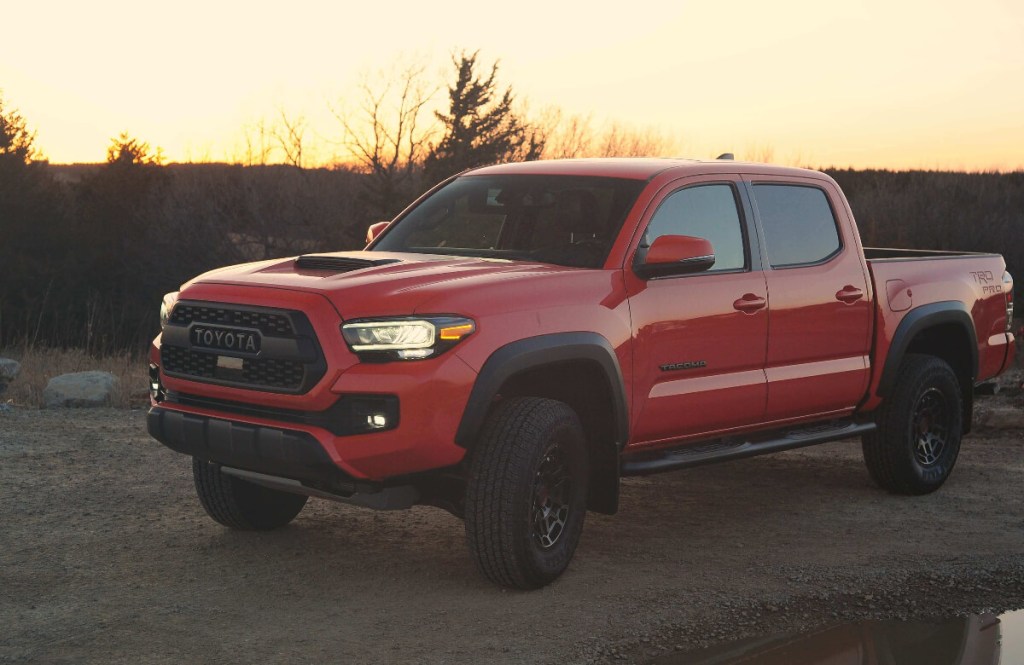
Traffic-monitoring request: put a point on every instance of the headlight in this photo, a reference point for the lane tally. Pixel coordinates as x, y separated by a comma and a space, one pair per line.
166, 306
405, 339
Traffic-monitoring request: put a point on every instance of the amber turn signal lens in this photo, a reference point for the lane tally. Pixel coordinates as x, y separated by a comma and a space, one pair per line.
455, 333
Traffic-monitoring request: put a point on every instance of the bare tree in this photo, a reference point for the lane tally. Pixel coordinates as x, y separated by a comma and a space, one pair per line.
621, 141
388, 135
258, 139
759, 152
573, 136
290, 133
567, 137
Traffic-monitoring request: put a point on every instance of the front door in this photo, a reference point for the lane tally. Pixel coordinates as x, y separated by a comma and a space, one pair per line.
699, 339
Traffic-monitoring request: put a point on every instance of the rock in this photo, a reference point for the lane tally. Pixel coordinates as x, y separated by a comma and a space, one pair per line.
81, 389
8, 372
1003, 416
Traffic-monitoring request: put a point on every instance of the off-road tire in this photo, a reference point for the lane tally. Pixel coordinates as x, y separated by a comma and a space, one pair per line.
238, 504
893, 452
523, 441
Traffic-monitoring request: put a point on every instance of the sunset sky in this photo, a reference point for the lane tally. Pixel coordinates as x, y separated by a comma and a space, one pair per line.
880, 83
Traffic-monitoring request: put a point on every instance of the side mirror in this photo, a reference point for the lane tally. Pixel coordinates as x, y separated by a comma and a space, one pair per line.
375, 230
676, 255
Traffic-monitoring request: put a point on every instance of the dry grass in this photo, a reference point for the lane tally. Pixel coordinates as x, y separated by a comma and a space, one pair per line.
39, 365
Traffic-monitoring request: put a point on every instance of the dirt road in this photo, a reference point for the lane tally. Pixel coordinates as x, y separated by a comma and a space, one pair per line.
106, 556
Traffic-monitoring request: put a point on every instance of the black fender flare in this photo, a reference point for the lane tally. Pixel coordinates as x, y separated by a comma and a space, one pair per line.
922, 318
533, 352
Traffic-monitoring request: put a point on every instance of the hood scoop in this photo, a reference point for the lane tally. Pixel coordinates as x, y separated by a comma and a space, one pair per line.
337, 263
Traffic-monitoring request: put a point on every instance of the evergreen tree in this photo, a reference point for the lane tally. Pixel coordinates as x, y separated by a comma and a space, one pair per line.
481, 126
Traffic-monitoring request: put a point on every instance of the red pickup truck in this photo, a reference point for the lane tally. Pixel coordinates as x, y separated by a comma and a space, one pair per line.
524, 335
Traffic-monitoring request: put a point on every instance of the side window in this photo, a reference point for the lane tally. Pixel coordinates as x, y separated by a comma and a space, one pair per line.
704, 211
799, 226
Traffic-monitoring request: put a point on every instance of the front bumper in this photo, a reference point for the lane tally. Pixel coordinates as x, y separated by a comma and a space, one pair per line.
259, 448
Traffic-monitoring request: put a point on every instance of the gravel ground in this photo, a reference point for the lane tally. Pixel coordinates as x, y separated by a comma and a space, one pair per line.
106, 556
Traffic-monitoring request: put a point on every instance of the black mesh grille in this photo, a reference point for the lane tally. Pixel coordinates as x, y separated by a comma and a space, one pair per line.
192, 363
262, 372
289, 359
267, 323
273, 373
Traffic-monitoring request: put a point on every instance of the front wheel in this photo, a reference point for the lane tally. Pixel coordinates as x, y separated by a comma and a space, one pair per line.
917, 442
239, 504
526, 495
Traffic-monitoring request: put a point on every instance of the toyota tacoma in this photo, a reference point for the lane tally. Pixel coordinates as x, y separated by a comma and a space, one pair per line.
524, 335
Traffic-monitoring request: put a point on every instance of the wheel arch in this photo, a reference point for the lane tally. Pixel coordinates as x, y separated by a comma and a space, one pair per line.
944, 330
578, 368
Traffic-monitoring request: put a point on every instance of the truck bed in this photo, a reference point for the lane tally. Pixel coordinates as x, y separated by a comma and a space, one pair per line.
905, 279
894, 254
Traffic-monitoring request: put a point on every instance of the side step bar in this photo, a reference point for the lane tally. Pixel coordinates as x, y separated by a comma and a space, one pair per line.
722, 450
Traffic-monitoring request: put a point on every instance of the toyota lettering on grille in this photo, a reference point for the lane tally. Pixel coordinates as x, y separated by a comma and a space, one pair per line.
225, 339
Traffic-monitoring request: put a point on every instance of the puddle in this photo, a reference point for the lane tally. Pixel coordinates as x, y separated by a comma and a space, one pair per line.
983, 639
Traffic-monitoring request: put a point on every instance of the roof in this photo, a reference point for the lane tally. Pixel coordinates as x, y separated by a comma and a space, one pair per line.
637, 168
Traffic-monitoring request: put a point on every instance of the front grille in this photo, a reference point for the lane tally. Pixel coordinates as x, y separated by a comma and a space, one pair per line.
267, 323
273, 373
185, 361
289, 361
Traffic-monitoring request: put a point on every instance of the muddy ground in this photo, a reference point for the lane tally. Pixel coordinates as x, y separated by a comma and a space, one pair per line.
106, 556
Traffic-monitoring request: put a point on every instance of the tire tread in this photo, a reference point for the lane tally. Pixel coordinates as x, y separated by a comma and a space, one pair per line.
240, 505
497, 485
888, 461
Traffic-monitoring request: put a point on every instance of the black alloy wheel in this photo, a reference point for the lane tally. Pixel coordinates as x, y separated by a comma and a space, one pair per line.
930, 427
552, 494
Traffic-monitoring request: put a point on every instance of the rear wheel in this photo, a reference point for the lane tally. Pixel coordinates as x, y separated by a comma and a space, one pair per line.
917, 442
239, 504
526, 495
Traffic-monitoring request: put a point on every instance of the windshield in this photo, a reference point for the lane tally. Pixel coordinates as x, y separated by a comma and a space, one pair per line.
564, 220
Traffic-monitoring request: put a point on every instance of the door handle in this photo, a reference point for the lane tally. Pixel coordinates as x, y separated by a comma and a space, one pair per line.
749, 303
849, 294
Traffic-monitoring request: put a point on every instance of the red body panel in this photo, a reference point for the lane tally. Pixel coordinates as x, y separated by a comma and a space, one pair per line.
818, 344
806, 354
920, 281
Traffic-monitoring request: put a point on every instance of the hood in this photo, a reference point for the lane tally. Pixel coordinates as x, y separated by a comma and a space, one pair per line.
364, 284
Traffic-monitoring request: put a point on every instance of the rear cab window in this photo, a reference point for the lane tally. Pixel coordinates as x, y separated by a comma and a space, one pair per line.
798, 222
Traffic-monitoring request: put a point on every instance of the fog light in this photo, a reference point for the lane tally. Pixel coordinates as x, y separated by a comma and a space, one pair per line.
376, 421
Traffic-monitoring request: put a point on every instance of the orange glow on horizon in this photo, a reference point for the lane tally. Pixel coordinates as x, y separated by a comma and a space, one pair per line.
868, 83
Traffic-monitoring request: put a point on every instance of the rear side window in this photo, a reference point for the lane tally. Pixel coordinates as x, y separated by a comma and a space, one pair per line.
704, 211
799, 226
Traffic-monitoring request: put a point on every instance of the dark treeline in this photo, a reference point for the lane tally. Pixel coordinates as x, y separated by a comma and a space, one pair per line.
87, 251
90, 251
971, 212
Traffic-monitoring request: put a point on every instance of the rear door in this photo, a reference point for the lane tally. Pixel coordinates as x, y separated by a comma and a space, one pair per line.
819, 298
699, 339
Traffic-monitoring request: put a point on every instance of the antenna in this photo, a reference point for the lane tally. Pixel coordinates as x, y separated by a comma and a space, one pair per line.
726, 155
